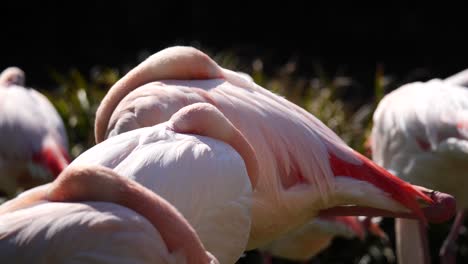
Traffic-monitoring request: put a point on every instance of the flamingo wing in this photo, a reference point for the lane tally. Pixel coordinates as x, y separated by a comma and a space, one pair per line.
54, 122
204, 178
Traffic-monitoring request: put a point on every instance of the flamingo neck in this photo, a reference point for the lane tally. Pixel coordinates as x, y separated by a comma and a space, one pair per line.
85, 184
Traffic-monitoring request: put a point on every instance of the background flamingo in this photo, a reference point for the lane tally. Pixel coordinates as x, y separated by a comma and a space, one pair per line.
33, 143
419, 134
121, 223
303, 166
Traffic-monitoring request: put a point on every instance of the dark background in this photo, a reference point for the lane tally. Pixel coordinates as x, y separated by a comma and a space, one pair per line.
425, 40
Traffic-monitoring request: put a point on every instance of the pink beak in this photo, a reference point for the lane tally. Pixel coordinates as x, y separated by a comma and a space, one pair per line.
436, 207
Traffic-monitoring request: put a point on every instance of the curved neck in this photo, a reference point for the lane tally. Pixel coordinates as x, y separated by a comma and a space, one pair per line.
206, 120
182, 63
85, 184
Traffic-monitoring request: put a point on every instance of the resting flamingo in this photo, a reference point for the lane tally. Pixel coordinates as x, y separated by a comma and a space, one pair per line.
419, 133
75, 220
304, 169
167, 160
33, 143
199, 163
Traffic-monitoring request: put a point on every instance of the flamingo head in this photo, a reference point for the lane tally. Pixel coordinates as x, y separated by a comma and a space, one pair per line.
370, 190
12, 76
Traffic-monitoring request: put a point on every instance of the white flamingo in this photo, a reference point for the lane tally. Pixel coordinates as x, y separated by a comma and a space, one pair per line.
33, 143
420, 134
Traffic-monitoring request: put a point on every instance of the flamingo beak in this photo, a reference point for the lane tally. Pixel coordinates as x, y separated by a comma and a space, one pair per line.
388, 195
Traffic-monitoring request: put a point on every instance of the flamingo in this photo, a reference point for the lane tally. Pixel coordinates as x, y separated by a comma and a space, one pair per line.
197, 161
304, 169
33, 144
73, 219
419, 134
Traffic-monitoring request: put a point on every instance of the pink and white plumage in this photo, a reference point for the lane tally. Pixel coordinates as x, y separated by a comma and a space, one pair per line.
421, 124
303, 243
304, 167
202, 174
33, 144
242, 145
420, 134
74, 219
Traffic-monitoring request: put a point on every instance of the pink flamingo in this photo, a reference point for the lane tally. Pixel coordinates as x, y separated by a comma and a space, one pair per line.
420, 134
33, 144
304, 243
211, 172
304, 169
74, 219
197, 161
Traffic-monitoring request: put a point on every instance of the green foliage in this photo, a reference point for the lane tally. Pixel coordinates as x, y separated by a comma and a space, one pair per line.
76, 99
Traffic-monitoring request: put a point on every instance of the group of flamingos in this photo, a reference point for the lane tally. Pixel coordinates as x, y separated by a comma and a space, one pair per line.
195, 163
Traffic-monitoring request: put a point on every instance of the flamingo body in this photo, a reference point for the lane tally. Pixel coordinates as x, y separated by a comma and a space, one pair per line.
420, 134
304, 167
282, 194
71, 220
191, 172
80, 232
33, 146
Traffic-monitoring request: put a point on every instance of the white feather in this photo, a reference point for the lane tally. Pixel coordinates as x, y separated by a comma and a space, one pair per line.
191, 172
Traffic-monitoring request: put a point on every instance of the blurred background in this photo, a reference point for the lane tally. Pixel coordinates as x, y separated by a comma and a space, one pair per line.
334, 60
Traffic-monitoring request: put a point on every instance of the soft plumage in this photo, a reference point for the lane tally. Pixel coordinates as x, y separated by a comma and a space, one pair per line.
303, 166
420, 134
202, 174
74, 219
33, 144
91, 232
423, 124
